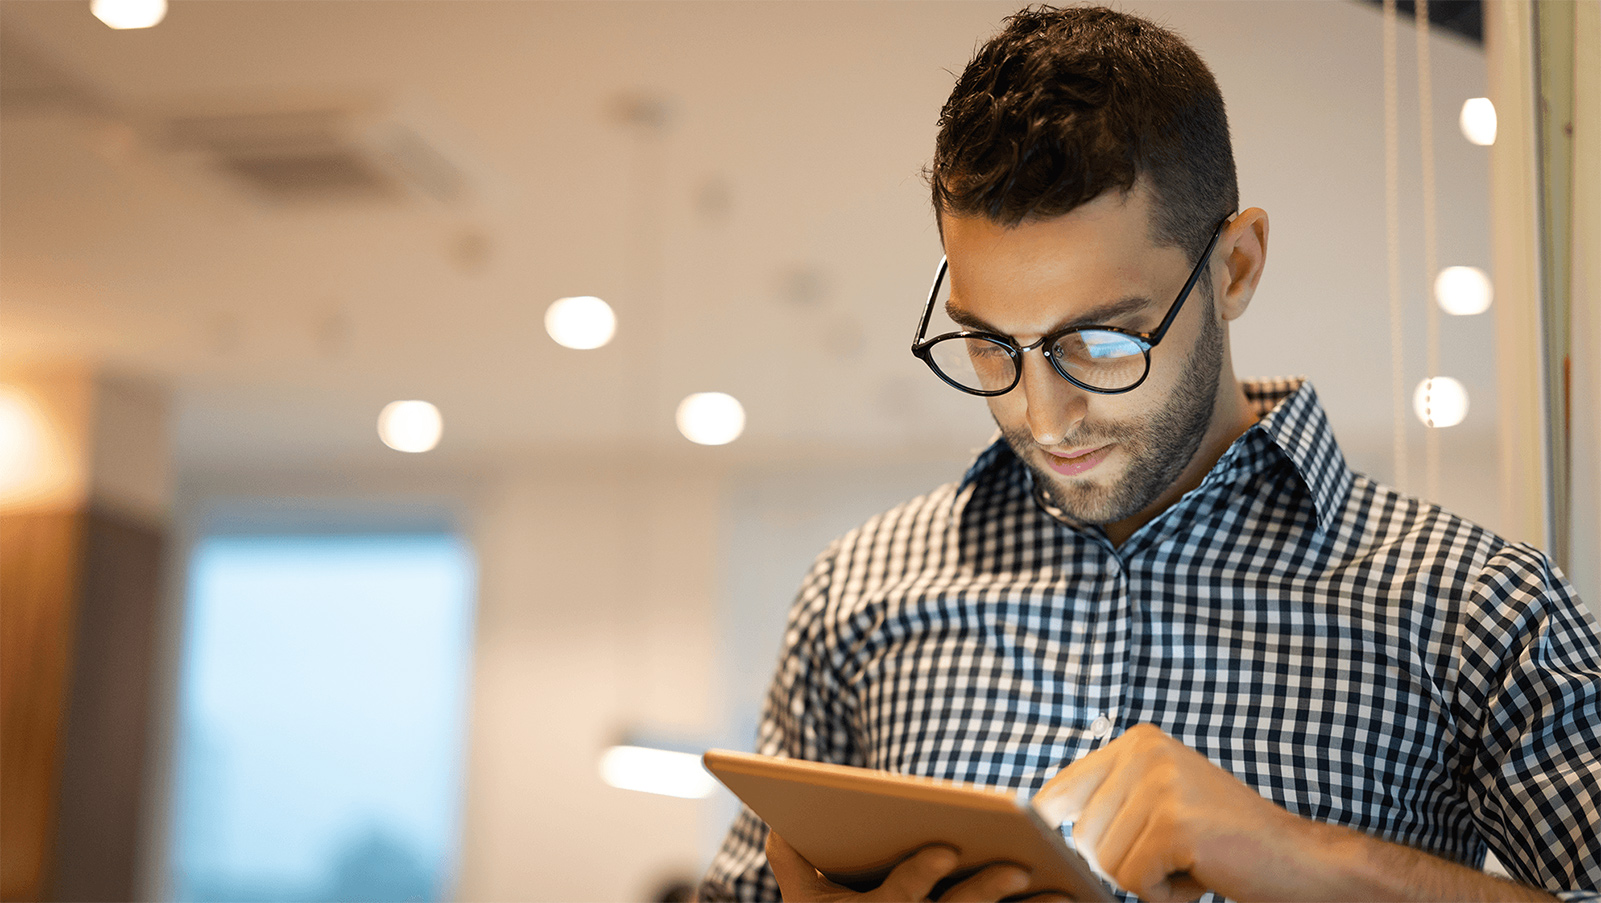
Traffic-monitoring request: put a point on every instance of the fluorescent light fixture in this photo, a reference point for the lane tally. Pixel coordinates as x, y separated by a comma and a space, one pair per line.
410, 426
1478, 121
121, 14
582, 322
711, 418
658, 771
1440, 402
1463, 291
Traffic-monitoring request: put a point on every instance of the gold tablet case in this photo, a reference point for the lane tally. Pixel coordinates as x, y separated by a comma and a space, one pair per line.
855, 824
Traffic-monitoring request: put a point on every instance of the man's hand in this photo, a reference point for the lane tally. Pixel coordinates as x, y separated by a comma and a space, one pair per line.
1168, 825
913, 879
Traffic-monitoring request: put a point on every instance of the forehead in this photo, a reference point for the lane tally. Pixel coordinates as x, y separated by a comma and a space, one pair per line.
1027, 278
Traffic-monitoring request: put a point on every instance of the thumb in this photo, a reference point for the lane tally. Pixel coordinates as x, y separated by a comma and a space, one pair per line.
797, 878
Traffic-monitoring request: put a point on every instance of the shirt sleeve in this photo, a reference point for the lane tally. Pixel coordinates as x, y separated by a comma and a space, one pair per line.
1531, 684
801, 719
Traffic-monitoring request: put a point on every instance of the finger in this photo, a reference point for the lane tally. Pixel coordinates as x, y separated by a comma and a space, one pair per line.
1048, 897
797, 878
1116, 817
1104, 806
1153, 871
915, 877
989, 884
1063, 797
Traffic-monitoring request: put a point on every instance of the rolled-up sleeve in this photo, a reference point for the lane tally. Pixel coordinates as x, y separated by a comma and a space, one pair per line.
1530, 692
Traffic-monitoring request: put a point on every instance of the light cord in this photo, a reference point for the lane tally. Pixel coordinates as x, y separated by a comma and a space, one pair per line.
1392, 221
1431, 434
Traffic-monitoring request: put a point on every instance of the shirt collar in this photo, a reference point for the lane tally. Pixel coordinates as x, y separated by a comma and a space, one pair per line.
1294, 420
1292, 423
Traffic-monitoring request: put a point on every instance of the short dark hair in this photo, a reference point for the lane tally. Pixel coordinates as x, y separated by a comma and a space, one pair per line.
1065, 104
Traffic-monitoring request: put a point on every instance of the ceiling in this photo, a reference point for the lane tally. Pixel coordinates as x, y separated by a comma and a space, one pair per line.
741, 181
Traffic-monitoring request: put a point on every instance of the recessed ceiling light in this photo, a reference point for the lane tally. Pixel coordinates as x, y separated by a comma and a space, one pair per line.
123, 14
581, 322
711, 418
410, 426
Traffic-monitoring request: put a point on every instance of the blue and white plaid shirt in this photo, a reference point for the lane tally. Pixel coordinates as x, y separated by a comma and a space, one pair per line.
1357, 656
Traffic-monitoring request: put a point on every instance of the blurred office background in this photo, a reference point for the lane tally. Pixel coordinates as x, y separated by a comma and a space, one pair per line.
253, 652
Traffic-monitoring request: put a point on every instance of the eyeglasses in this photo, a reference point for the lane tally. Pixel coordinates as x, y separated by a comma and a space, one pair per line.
1104, 359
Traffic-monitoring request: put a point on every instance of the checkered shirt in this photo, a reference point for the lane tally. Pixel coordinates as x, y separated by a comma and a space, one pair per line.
1357, 656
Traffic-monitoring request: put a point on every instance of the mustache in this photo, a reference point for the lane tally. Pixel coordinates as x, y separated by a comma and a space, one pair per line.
1101, 434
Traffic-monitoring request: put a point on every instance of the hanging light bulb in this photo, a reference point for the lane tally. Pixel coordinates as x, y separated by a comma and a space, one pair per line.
123, 14
1440, 401
1478, 121
1463, 291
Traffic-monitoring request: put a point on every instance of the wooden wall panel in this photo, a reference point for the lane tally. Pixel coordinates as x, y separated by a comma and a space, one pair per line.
39, 577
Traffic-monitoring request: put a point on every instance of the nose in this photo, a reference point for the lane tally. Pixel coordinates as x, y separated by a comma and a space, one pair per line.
1055, 406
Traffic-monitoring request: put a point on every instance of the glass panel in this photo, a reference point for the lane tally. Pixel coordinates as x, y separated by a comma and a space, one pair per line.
321, 711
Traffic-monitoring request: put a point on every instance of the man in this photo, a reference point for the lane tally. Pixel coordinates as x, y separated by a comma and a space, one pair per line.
1163, 605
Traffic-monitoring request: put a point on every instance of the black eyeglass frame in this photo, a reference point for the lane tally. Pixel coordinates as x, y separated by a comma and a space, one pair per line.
921, 347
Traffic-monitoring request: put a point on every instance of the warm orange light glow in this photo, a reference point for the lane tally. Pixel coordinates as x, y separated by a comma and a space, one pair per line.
22, 442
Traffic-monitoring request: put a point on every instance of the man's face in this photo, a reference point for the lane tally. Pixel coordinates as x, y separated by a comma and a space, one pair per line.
1099, 458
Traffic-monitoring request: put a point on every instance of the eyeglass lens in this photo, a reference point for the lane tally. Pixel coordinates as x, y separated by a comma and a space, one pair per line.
1095, 358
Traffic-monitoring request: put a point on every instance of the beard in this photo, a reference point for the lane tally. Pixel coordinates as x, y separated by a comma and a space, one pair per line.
1157, 447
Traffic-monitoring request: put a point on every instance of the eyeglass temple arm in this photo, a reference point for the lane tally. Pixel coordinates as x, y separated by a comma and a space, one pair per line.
1195, 276
928, 309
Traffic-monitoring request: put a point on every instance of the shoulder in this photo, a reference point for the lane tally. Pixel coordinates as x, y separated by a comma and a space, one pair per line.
991, 487
1414, 545
918, 540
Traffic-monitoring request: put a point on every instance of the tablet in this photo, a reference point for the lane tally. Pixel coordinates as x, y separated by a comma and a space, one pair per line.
855, 824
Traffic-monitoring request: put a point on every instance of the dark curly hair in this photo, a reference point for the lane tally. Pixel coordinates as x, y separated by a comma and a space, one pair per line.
1065, 104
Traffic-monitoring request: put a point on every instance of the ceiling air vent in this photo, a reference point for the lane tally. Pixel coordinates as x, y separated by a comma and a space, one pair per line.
328, 154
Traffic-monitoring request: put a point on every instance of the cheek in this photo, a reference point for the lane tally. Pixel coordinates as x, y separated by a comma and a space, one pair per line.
1008, 410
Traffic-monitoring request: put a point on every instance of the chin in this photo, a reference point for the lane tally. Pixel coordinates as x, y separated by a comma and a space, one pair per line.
1088, 500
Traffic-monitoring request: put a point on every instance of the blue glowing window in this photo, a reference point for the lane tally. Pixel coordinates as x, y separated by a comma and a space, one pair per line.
321, 714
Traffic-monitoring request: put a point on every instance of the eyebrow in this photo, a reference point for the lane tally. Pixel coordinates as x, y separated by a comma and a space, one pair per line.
1095, 316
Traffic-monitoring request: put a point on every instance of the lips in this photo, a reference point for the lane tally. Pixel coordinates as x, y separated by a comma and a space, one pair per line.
1075, 464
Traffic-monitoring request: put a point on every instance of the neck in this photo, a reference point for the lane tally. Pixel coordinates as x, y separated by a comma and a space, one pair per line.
1231, 417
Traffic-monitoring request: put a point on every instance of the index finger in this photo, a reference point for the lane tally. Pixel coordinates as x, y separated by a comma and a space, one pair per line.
1063, 797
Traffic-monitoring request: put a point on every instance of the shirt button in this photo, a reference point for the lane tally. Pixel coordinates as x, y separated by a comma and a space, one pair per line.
1100, 727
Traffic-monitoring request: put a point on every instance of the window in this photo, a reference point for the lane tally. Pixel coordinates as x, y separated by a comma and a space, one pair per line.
322, 710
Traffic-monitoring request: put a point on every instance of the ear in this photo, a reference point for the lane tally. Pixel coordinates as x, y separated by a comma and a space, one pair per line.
1242, 250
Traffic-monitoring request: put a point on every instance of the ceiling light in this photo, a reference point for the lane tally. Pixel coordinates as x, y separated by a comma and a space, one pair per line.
582, 322
711, 418
122, 14
1463, 291
410, 426
660, 771
1440, 402
1478, 121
